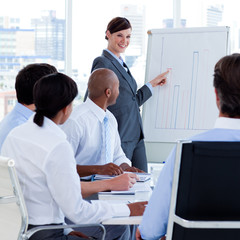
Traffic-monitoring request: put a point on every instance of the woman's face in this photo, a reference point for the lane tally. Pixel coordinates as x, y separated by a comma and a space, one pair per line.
119, 41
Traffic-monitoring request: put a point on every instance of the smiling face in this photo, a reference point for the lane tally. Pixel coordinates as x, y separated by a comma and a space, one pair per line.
118, 41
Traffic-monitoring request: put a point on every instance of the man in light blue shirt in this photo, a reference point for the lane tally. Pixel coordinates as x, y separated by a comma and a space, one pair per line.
227, 128
24, 108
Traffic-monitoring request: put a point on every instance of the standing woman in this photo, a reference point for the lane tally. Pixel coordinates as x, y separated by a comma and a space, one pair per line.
126, 110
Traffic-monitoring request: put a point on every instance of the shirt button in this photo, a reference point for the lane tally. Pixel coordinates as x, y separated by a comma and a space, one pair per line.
133, 98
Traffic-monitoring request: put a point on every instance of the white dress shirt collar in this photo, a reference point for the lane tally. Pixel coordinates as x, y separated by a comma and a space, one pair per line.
99, 112
227, 123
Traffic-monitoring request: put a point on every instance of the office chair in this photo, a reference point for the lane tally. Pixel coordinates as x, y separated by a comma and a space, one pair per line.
13, 212
205, 201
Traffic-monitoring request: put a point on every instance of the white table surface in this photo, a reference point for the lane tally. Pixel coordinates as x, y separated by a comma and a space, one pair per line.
140, 195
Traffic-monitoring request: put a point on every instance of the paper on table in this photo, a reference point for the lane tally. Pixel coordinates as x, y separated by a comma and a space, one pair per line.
137, 187
142, 176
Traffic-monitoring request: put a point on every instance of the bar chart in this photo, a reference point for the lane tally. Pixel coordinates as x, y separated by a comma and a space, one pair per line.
186, 105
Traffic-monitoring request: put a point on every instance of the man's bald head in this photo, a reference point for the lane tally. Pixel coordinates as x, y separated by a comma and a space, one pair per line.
100, 80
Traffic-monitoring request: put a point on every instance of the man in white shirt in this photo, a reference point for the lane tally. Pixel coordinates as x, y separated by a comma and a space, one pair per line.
85, 129
227, 128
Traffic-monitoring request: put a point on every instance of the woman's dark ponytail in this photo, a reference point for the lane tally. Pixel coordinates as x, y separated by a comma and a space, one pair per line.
38, 119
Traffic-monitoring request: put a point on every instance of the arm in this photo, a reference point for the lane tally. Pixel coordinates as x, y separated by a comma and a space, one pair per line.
107, 169
125, 167
156, 214
78, 234
119, 183
65, 188
138, 235
137, 208
144, 93
159, 80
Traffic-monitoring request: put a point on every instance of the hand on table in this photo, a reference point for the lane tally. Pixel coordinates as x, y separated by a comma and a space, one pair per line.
109, 169
133, 169
123, 182
137, 208
127, 168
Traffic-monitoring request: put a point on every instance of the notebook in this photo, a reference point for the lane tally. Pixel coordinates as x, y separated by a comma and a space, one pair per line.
142, 176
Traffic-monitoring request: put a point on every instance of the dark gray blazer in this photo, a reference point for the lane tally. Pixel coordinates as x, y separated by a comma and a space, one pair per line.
126, 110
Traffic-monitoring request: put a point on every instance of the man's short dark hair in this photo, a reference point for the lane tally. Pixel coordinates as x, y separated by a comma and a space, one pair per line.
26, 79
227, 84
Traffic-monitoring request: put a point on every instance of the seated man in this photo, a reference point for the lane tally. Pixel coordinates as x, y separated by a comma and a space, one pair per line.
227, 128
24, 108
85, 129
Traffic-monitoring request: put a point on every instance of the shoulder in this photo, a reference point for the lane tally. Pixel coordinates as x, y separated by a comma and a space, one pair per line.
210, 135
101, 61
78, 115
112, 118
79, 111
11, 121
105, 61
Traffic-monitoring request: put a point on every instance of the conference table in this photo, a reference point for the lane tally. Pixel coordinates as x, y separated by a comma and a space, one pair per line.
140, 192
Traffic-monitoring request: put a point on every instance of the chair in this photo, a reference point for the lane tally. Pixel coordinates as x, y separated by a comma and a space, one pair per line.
13, 213
205, 201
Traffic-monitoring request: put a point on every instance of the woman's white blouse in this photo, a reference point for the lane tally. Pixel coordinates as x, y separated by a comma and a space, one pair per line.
47, 173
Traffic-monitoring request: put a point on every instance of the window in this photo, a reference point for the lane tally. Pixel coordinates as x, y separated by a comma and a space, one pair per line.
20, 41
34, 31
210, 13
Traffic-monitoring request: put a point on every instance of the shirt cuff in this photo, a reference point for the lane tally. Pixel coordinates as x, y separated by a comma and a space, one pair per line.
149, 85
66, 231
120, 210
122, 160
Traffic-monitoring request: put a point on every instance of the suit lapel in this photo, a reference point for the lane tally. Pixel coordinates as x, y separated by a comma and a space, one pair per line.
127, 77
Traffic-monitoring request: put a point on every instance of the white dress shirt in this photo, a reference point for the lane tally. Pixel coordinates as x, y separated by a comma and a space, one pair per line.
84, 132
47, 173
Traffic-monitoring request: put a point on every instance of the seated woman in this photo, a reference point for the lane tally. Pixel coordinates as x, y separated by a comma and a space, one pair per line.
46, 166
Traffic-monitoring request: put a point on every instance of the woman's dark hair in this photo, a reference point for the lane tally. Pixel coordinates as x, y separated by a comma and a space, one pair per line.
118, 24
51, 94
227, 84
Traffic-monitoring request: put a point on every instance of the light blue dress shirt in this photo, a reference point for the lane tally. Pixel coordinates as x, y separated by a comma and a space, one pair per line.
19, 115
120, 60
155, 218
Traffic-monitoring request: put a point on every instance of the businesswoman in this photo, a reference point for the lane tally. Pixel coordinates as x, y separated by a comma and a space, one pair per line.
46, 167
126, 110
